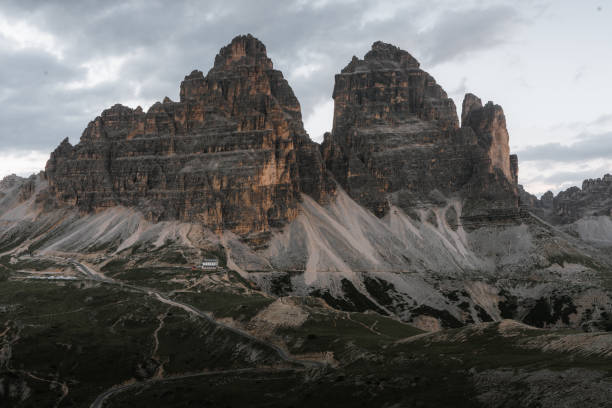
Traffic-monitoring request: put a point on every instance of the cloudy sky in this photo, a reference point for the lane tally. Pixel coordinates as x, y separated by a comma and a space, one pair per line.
547, 62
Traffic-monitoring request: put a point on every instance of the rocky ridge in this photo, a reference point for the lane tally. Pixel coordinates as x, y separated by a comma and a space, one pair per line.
582, 212
592, 200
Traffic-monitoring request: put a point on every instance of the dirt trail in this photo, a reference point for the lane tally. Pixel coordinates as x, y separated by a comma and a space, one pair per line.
159, 373
95, 275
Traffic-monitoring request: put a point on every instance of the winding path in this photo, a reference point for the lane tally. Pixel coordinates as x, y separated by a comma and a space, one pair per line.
98, 276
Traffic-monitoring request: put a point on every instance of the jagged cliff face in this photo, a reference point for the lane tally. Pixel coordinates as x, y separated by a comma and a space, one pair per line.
386, 87
594, 199
489, 123
231, 154
493, 189
584, 212
396, 139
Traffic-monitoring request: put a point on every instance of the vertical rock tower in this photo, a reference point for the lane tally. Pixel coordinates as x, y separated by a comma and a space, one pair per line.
231, 154
396, 139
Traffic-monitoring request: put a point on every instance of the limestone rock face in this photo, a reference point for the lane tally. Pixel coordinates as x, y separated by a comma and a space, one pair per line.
231, 154
10, 181
489, 123
470, 103
493, 190
396, 139
514, 168
527, 199
386, 87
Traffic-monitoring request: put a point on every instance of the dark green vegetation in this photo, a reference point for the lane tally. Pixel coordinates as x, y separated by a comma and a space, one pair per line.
90, 337
483, 347
550, 310
379, 289
188, 344
353, 300
169, 253
230, 295
573, 257
447, 319
226, 304
34, 264
4, 273
430, 371
84, 337
13, 240
508, 306
281, 284
66, 343
333, 389
174, 257
163, 278
344, 333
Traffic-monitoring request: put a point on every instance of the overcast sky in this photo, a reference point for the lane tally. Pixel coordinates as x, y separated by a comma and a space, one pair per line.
548, 63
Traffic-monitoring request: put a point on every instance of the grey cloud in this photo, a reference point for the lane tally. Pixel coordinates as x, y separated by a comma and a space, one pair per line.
459, 33
164, 41
587, 147
461, 89
602, 120
574, 178
580, 126
566, 179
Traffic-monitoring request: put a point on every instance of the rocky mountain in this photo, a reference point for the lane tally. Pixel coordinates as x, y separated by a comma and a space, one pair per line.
584, 212
396, 140
396, 264
402, 209
232, 154
592, 200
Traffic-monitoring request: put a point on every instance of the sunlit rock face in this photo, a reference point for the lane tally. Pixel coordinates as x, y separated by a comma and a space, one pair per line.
489, 123
396, 140
231, 154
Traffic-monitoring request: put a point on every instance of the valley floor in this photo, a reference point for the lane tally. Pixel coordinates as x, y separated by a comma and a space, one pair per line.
77, 335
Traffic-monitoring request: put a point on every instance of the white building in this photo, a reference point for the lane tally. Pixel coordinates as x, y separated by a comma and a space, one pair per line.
210, 264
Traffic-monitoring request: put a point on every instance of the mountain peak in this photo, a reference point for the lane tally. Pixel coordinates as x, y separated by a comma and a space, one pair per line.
382, 56
470, 102
382, 51
243, 50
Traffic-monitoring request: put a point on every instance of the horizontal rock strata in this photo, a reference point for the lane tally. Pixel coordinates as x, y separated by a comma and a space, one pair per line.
231, 154
396, 140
